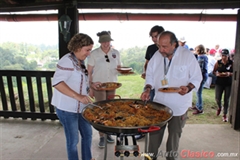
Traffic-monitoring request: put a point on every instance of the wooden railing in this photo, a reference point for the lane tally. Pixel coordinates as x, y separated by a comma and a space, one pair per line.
26, 94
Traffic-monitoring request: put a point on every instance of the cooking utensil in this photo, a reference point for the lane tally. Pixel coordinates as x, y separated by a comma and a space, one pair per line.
145, 103
129, 130
92, 104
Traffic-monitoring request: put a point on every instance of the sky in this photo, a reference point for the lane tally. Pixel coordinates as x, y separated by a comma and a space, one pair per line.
125, 34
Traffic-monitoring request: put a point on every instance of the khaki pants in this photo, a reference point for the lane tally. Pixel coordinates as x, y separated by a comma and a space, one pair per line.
103, 95
175, 126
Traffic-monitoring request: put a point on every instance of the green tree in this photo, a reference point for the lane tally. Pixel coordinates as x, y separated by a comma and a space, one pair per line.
11, 59
22, 56
134, 57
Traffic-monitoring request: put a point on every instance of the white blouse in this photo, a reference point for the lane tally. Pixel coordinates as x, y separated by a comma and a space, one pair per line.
68, 71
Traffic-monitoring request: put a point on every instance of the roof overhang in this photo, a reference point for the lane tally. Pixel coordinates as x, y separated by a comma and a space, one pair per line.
33, 5
121, 17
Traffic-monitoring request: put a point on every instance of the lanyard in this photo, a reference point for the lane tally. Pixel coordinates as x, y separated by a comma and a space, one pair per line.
166, 67
77, 62
80, 65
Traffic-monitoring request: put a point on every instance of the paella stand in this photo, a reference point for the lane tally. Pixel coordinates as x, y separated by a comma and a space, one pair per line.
123, 149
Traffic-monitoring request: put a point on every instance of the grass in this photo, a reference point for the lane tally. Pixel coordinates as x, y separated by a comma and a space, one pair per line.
132, 87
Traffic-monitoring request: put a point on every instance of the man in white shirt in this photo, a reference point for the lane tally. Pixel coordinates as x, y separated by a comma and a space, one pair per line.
171, 66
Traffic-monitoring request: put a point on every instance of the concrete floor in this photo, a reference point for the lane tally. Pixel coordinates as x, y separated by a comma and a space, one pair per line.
37, 140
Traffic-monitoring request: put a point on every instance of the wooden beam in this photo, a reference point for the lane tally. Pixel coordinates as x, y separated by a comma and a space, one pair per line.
122, 17
121, 4
234, 110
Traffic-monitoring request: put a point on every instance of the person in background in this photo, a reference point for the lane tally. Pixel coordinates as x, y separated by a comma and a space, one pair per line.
194, 53
171, 66
217, 47
218, 52
182, 42
102, 65
223, 69
70, 96
211, 62
203, 63
151, 49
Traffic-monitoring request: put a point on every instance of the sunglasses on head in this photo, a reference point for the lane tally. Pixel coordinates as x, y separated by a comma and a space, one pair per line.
107, 59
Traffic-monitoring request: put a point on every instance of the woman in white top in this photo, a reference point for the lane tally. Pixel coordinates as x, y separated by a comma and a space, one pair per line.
102, 65
70, 82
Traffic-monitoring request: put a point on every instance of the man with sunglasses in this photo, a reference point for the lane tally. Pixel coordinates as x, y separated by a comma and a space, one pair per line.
102, 65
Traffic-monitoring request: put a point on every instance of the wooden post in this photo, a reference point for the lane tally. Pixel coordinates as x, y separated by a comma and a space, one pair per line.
72, 12
234, 110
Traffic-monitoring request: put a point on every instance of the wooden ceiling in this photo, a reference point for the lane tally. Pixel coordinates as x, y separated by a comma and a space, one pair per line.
34, 5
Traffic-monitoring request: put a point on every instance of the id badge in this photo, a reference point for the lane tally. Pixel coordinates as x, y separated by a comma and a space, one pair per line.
164, 82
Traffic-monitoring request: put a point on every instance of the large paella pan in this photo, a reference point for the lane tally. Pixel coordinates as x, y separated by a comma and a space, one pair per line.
128, 116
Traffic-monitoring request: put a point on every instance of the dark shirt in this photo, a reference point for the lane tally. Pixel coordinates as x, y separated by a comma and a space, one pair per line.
196, 56
225, 81
150, 51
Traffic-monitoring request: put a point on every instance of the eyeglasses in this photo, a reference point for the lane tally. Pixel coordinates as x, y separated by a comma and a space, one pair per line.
107, 59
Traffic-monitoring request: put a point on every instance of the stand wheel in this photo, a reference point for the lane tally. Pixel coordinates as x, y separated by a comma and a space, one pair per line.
117, 153
135, 153
126, 153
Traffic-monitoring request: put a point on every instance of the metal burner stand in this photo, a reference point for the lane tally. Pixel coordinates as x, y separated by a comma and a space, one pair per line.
123, 149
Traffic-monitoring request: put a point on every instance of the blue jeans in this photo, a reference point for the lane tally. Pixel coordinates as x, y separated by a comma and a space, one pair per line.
72, 123
219, 90
199, 102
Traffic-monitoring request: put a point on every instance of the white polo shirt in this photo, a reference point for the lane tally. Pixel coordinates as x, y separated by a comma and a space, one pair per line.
104, 71
183, 69
68, 72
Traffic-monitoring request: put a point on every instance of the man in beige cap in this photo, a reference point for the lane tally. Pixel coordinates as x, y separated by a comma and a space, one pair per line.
182, 42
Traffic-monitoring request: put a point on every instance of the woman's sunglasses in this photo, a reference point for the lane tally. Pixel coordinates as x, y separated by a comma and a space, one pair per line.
107, 59
84, 69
